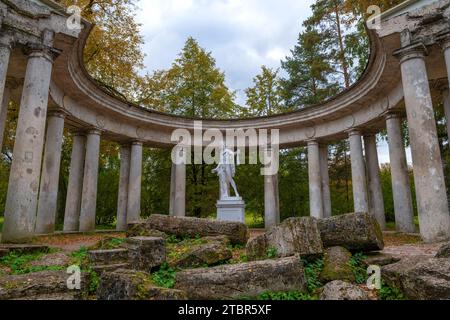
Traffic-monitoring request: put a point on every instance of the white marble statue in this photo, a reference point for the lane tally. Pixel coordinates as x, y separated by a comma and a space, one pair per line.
226, 171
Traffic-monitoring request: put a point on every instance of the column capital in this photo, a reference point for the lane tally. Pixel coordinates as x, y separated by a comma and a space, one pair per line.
370, 133
94, 131
78, 132
58, 113
35, 50
416, 50
312, 142
394, 115
7, 41
354, 132
137, 143
443, 38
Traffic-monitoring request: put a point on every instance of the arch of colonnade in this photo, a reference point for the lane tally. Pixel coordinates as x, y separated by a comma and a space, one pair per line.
41, 65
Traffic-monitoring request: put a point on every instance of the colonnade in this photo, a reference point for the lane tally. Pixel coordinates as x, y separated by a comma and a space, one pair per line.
31, 201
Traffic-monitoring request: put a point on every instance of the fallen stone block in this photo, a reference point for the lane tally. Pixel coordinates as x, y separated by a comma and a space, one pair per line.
141, 229
183, 226
146, 253
379, 259
295, 236
133, 285
340, 290
98, 257
420, 278
336, 265
444, 251
243, 280
353, 231
39, 284
208, 254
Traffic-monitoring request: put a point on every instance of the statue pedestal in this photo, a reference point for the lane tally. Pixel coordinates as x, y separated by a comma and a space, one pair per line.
231, 209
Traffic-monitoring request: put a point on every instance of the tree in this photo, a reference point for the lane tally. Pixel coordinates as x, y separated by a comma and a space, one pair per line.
265, 97
308, 71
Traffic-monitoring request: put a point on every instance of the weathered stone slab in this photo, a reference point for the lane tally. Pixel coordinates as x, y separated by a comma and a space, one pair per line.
146, 253
336, 265
111, 256
379, 259
39, 284
141, 229
183, 226
99, 269
207, 254
295, 236
340, 290
420, 278
133, 285
243, 280
444, 251
353, 231
54, 259
24, 248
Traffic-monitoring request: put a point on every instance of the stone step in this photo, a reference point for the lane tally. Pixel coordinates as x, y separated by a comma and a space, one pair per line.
23, 248
105, 257
99, 269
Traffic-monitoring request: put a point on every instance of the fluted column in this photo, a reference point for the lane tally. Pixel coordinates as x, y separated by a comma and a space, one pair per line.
48, 195
134, 186
376, 202
5, 53
179, 200
23, 188
431, 193
89, 193
3, 114
326, 194
75, 184
122, 201
401, 189
271, 201
359, 181
315, 181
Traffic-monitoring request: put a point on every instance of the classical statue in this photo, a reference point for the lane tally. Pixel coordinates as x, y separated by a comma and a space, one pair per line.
226, 171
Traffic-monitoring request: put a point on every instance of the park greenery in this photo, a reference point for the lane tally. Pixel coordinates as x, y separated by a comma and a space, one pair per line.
330, 55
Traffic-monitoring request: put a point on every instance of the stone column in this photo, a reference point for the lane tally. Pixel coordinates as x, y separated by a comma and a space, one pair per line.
124, 178
3, 114
376, 202
401, 189
271, 201
23, 188
48, 195
326, 194
5, 53
134, 186
179, 205
315, 181
75, 185
431, 193
359, 181
89, 193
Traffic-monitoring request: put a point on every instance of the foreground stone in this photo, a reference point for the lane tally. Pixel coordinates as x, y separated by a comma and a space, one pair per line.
183, 226
444, 251
295, 236
243, 280
40, 285
379, 259
140, 229
146, 253
208, 254
133, 285
51, 260
336, 265
340, 290
354, 231
420, 278
111, 256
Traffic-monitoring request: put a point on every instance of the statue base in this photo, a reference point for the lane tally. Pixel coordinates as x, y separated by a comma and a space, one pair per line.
231, 209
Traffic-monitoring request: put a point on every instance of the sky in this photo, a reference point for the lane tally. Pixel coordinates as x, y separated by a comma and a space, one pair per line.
242, 35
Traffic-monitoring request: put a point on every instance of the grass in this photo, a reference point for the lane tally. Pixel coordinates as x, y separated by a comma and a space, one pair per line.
19, 263
254, 221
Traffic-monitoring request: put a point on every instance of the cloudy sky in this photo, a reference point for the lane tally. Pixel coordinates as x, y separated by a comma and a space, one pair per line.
242, 35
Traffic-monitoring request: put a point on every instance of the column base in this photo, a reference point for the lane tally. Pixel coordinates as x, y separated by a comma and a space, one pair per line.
231, 209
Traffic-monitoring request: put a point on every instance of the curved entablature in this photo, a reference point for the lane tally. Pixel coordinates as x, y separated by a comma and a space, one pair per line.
362, 105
